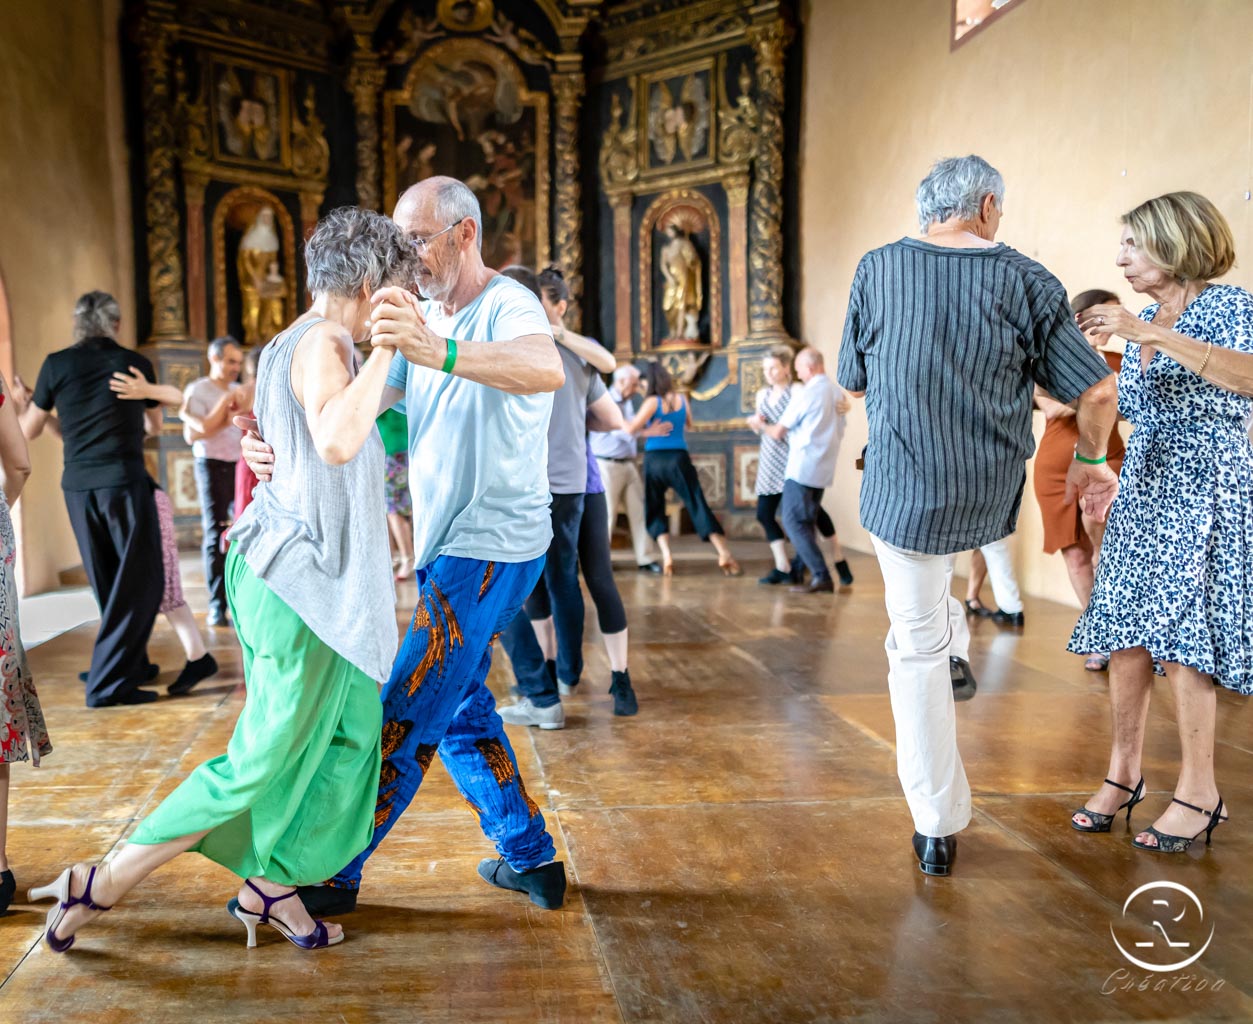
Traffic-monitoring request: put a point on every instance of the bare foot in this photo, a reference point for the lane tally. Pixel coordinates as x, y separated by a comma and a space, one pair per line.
290, 911
1177, 820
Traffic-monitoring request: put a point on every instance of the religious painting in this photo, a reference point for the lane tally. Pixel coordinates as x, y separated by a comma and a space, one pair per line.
675, 120
250, 114
969, 16
465, 111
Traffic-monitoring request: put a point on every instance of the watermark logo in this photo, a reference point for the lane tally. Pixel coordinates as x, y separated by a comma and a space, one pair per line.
1178, 928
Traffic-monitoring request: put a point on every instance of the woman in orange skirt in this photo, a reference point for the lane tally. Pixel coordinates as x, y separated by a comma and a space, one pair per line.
1066, 528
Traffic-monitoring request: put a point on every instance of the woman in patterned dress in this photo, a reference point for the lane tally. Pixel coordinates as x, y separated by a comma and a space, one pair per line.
23, 735
776, 366
1173, 581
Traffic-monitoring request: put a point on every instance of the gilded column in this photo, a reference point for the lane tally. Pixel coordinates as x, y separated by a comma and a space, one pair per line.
365, 80
165, 261
568, 88
620, 202
197, 296
766, 215
736, 186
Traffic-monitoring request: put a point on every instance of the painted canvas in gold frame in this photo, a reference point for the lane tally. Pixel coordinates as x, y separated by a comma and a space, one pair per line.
251, 113
465, 111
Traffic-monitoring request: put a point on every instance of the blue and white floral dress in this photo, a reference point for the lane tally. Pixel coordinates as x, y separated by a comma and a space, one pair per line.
1176, 568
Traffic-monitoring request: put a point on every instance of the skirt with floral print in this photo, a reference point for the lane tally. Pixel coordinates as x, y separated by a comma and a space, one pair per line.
397, 485
23, 735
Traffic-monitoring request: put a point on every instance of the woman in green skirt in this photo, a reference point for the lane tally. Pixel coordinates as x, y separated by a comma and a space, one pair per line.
310, 590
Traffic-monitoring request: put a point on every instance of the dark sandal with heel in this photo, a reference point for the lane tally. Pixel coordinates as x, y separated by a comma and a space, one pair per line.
1103, 822
1179, 844
60, 890
316, 939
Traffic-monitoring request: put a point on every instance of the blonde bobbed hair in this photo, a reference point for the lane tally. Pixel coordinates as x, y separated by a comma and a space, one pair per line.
1184, 234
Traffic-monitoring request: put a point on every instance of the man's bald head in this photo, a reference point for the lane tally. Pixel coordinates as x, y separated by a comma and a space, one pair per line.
809, 362
438, 200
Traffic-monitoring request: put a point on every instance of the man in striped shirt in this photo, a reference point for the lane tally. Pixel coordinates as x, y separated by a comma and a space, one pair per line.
945, 336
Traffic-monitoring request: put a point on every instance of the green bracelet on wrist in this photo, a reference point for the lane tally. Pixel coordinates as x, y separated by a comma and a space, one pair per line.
450, 359
1089, 462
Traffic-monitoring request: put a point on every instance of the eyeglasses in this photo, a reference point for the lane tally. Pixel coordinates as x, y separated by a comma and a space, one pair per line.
422, 244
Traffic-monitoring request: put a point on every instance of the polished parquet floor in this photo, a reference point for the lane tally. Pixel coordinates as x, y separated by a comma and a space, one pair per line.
739, 852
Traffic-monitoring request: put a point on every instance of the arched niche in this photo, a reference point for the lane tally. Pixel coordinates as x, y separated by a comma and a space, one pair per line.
237, 205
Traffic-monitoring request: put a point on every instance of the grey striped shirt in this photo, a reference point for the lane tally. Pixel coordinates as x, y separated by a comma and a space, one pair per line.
946, 344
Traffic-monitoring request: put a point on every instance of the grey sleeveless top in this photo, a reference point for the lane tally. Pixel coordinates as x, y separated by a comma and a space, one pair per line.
316, 534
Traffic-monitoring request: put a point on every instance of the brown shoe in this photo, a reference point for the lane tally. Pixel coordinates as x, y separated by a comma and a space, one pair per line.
819, 585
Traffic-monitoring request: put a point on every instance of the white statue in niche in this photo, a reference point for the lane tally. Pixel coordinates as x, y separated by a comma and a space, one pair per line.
258, 250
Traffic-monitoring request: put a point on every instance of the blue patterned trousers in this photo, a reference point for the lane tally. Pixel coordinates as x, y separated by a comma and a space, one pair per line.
437, 701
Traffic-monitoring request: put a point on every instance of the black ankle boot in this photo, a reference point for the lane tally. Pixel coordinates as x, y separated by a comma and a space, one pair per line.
193, 673
546, 885
8, 887
624, 702
935, 853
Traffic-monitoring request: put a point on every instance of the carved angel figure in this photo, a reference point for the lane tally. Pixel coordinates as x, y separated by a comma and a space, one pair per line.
618, 165
681, 127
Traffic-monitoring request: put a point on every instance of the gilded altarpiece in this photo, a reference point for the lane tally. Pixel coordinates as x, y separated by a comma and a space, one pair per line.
690, 107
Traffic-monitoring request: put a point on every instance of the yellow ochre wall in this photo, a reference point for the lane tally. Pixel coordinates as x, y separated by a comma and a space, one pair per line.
1087, 107
64, 218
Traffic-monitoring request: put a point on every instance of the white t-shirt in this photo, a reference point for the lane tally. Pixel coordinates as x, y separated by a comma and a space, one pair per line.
814, 432
478, 457
202, 397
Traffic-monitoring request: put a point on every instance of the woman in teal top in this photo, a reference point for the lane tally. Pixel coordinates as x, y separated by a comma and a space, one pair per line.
394, 430
667, 465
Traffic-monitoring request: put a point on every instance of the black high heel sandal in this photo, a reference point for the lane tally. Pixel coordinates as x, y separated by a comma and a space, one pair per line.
1103, 822
1179, 844
978, 609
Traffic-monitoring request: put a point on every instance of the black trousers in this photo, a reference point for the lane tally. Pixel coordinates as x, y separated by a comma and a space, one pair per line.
557, 593
119, 539
673, 469
215, 480
768, 516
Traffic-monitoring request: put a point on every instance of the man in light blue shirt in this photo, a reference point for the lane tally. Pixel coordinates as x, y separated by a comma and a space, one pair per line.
813, 427
474, 370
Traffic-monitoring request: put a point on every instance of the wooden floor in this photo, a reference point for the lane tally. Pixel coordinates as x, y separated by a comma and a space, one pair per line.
739, 852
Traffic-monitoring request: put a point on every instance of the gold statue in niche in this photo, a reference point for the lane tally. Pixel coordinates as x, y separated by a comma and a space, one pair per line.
683, 296
259, 272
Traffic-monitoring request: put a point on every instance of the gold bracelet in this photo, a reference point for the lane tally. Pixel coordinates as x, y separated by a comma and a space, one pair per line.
1209, 347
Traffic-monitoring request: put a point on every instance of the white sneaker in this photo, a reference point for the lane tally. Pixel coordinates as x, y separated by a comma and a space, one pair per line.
523, 712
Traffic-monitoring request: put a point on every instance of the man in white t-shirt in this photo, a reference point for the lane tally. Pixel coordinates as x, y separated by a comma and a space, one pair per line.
206, 414
474, 371
813, 426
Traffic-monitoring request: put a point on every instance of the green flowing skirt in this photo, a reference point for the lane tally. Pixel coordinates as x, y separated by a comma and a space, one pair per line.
292, 799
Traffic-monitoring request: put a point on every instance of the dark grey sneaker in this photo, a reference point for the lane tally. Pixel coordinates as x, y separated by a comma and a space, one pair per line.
546, 885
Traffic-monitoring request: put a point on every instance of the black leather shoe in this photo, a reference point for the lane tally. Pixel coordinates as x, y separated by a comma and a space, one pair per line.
935, 854
193, 673
844, 572
1001, 618
545, 885
963, 678
773, 578
654, 567
817, 585
8, 888
624, 701
327, 900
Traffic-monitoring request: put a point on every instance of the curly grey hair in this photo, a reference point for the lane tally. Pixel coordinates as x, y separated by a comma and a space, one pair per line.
96, 315
351, 248
955, 187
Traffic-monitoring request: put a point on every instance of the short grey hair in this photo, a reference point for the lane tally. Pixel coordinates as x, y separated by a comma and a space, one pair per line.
96, 315
454, 202
954, 187
623, 372
351, 248
218, 346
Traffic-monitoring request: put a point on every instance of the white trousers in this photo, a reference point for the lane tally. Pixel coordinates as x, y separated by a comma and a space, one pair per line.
1001, 575
928, 625
623, 484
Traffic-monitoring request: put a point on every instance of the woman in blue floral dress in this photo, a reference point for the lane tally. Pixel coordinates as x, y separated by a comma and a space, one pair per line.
1175, 580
